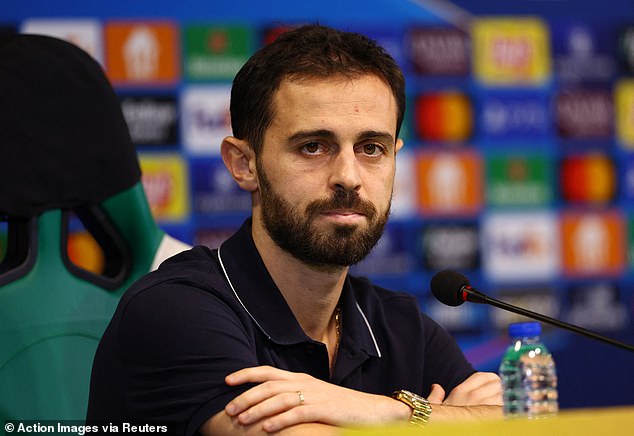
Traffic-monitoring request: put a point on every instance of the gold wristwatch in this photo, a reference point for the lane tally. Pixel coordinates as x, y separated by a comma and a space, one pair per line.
421, 409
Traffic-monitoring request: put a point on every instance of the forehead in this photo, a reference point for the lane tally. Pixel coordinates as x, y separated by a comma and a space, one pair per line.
329, 100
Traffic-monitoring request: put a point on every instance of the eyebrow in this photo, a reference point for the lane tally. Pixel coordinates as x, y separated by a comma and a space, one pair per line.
323, 133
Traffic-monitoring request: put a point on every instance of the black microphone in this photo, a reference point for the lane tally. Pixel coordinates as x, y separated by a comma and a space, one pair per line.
453, 289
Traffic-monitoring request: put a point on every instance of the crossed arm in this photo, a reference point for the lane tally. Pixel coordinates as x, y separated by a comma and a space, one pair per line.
273, 405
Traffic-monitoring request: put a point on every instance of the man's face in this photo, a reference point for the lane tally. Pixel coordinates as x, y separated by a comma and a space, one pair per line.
326, 169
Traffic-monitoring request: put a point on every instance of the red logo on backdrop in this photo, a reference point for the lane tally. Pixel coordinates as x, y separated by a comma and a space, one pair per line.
445, 116
584, 114
588, 179
439, 51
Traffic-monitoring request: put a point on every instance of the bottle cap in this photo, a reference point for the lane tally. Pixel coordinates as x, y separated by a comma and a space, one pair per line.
524, 329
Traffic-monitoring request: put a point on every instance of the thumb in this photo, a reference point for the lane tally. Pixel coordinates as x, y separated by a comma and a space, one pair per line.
436, 395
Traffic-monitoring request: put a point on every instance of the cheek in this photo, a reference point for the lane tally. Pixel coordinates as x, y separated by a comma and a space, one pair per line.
380, 184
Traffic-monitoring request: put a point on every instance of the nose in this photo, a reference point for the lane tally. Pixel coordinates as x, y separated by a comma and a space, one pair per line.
345, 171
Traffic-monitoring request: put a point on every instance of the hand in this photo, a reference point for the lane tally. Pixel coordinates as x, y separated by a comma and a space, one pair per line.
478, 397
275, 401
481, 388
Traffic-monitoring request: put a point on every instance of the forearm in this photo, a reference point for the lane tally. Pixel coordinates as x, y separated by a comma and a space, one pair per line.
446, 413
223, 424
375, 410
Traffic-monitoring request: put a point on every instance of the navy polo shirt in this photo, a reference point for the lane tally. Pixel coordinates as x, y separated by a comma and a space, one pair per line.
178, 331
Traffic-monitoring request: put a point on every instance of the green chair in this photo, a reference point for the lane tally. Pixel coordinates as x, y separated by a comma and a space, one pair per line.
65, 157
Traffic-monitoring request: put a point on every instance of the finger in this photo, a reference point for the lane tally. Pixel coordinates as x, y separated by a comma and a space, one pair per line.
296, 415
489, 393
478, 379
437, 394
256, 395
270, 407
257, 374
486, 393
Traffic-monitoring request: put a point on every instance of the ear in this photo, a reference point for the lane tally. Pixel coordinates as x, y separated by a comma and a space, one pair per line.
399, 145
239, 159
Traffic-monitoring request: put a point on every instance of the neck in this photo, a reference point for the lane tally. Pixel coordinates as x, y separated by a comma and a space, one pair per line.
311, 292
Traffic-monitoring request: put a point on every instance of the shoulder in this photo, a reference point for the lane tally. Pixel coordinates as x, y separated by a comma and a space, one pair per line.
182, 303
196, 268
187, 285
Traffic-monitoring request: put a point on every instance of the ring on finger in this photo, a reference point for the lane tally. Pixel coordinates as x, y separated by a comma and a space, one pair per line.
300, 394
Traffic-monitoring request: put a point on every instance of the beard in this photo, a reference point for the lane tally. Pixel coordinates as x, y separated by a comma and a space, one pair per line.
296, 233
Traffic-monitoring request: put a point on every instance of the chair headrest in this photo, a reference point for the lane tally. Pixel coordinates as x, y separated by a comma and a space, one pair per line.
63, 139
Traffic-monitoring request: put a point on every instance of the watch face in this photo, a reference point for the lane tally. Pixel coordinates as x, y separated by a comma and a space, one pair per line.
421, 409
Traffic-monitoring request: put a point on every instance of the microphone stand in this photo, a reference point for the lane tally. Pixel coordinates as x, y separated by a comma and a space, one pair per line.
474, 296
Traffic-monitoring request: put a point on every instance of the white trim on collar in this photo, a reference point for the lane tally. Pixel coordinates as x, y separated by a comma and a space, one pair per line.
376, 346
222, 265
224, 271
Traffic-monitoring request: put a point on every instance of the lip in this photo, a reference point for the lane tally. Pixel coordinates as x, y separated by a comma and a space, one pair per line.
343, 212
344, 215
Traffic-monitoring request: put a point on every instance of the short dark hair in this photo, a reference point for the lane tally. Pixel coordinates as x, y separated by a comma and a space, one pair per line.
310, 51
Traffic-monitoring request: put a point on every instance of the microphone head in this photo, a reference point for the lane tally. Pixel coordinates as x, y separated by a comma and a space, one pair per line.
447, 287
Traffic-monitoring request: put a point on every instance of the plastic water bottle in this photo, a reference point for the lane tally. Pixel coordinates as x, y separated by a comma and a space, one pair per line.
529, 377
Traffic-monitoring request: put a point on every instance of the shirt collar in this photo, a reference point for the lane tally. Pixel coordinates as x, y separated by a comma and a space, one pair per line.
251, 284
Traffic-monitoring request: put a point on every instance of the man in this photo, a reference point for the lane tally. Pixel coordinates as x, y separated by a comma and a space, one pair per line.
269, 332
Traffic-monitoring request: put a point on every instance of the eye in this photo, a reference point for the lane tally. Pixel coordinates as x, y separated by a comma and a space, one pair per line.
312, 148
373, 149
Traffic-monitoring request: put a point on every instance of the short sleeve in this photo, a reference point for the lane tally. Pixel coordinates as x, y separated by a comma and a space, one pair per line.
177, 344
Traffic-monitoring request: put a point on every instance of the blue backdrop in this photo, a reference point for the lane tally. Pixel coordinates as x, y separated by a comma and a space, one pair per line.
417, 243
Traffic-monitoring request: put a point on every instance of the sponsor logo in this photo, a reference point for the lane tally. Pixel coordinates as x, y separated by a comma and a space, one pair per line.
520, 246
536, 299
442, 51
588, 179
152, 120
511, 51
444, 116
578, 56
624, 104
206, 119
519, 180
597, 306
142, 53
468, 318
514, 115
450, 246
593, 243
584, 114
165, 182
215, 53
84, 33
214, 190
449, 183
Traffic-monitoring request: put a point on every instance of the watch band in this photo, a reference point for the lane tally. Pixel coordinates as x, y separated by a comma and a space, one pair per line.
421, 409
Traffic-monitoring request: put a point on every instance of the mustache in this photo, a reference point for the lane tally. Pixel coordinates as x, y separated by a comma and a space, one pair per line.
342, 199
